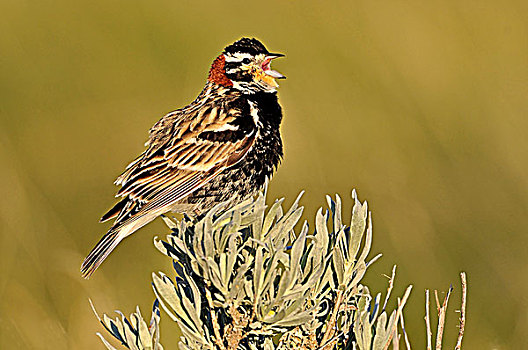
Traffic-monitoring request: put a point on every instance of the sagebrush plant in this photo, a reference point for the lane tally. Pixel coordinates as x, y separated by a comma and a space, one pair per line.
246, 278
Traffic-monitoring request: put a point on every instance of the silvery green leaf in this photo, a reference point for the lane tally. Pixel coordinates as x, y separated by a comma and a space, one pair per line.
183, 346
191, 335
294, 319
357, 224
232, 253
331, 204
383, 331
239, 282
363, 331
343, 247
295, 204
231, 229
105, 342
193, 315
368, 240
295, 308
178, 243
208, 239
214, 275
154, 325
339, 262
268, 344
257, 273
374, 314
286, 221
338, 220
281, 231
224, 273
159, 244
297, 249
275, 212
195, 292
292, 219
249, 288
166, 293
142, 328
255, 216
171, 224
269, 276
197, 242
321, 229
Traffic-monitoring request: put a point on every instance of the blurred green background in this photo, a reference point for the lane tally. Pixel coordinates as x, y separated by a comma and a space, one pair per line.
420, 106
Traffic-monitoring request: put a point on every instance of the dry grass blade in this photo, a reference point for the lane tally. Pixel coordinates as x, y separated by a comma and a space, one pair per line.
398, 312
437, 302
428, 321
462, 323
441, 319
407, 343
389, 289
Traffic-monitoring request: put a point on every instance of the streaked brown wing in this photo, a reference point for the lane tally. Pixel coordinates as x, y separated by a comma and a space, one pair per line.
183, 154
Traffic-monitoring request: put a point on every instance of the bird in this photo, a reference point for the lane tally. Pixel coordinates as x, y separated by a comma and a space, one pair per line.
220, 148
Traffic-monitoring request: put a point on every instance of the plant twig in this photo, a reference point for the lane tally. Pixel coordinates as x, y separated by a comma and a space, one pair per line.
330, 326
396, 339
462, 311
234, 332
398, 312
389, 289
441, 319
407, 344
214, 319
437, 302
427, 320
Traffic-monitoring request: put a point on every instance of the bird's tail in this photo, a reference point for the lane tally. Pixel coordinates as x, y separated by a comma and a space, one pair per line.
101, 251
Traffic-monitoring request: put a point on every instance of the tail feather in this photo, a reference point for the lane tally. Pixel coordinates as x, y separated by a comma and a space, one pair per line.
111, 239
100, 252
115, 210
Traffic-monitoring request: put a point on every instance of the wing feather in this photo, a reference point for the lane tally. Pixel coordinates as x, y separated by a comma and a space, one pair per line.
180, 159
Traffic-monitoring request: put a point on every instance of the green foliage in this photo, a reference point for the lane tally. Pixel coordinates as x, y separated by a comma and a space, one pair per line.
133, 333
246, 280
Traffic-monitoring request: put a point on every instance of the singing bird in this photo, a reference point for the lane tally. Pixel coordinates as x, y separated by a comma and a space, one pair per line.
221, 147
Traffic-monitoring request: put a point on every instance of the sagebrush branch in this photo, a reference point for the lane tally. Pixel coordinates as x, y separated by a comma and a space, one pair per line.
246, 279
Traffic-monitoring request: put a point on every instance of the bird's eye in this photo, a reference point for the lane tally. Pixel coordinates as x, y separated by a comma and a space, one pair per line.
245, 60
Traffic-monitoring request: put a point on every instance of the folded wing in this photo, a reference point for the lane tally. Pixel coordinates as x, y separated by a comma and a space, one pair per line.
184, 153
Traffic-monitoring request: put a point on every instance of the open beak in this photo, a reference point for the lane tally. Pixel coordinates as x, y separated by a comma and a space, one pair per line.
267, 69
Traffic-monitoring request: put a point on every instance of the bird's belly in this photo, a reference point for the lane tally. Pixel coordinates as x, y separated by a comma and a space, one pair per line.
234, 184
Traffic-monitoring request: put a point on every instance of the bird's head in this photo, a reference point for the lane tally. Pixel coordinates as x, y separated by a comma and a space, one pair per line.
245, 66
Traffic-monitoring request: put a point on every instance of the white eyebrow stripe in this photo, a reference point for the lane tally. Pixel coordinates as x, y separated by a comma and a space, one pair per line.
236, 57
